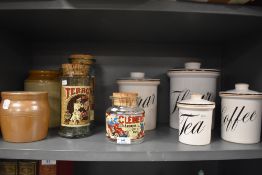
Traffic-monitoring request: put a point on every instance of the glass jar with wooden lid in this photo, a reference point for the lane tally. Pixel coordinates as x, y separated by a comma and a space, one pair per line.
87, 59
75, 101
125, 121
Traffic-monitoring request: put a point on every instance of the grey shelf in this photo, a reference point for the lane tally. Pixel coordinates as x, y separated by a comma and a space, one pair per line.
133, 5
159, 145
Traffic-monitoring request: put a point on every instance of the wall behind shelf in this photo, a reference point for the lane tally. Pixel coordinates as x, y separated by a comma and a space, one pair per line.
15, 62
116, 60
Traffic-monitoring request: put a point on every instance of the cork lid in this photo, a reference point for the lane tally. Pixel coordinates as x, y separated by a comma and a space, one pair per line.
87, 59
193, 69
128, 99
75, 69
196, 102
241, 91
138, 78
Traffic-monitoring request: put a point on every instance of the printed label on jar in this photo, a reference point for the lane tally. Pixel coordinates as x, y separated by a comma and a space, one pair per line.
75, 106
124, 126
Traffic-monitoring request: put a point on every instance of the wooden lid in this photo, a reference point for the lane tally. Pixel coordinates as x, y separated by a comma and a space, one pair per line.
82, 59
128, 99
75, 69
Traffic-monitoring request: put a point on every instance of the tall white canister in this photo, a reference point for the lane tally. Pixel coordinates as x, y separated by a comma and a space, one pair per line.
147, 92
241, 115
187, 80
195, 120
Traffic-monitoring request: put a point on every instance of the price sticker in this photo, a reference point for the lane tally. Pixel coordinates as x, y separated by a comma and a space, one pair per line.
64, 82
6, 104
123, 140
48, 162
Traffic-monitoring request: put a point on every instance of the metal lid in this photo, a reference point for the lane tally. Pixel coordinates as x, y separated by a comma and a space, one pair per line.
138, 78
197, 102
193, 69
241, 91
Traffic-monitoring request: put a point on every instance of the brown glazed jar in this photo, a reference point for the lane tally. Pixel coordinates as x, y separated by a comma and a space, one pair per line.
24, 116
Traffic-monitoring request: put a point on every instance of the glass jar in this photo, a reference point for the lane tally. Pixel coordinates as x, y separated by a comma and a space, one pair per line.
125, 120
47, 80
88, 60
75, 101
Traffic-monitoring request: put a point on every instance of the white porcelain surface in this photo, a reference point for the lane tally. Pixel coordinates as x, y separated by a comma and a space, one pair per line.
241, 115
183, 83
195, 120
147, 92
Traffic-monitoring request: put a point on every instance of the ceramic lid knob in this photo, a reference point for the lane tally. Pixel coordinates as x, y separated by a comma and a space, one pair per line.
137, 75
192, 65
196, 96
242, 87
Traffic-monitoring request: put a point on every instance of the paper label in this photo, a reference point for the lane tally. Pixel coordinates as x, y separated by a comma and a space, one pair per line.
48, 162
75, 102
6, 104
123, 140
130, 127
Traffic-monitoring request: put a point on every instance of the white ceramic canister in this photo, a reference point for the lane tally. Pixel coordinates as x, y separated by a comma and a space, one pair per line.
147, 93
187, 80
241, 115
195, 120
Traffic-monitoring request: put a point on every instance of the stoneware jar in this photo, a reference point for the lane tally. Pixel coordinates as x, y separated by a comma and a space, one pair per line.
241, 115
47, 80
195, 118
190, 79
24, 116
147, 92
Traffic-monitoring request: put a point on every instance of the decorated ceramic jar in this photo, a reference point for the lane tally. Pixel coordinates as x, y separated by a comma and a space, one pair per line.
187, 80
195, 119
125, 121
147, 92
24, 116
241, 115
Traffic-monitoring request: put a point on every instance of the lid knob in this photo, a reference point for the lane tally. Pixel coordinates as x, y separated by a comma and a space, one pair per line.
196, 96
137, 75
242, 86
192, 65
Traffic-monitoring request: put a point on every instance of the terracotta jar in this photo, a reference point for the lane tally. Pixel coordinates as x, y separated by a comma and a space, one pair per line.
48, 81
24, 116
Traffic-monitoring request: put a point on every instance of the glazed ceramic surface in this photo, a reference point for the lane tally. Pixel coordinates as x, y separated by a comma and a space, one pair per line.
195, 119
187, 80
147, 91
241, 115
24, 116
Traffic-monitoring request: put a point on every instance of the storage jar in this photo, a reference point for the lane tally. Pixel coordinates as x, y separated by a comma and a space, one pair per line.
75, 101
147, 92
195, 119
87, 59
125, 120
24, 116
241, 115
47, 80
187, 80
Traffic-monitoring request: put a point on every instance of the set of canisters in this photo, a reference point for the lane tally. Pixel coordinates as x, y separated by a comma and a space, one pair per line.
193, 92
192, 100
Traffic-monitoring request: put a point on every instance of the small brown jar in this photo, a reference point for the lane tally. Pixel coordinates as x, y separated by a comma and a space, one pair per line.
24, 116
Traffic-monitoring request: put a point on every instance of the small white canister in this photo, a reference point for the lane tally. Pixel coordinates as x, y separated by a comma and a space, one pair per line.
195, 120
241, 115
191, 79
147, 92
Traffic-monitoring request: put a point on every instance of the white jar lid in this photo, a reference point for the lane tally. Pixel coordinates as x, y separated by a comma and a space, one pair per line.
241, 91
193, 69
138, 78
196, 102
